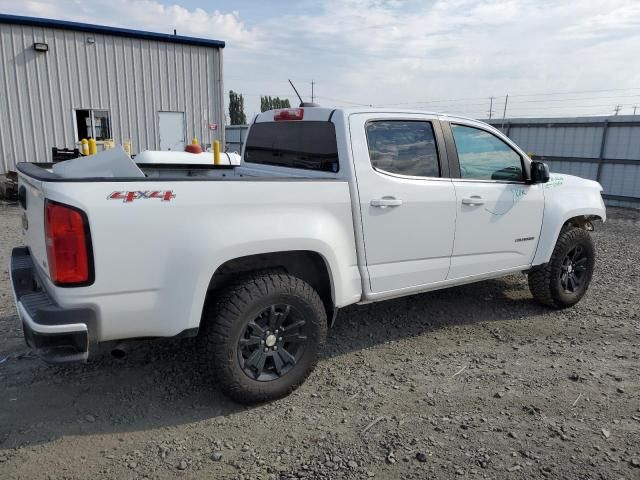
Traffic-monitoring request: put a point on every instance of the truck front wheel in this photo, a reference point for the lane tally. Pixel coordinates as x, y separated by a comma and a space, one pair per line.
564, 280
262, 336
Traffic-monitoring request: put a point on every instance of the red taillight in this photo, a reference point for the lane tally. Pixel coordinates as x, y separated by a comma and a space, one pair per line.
67, 239
289, 114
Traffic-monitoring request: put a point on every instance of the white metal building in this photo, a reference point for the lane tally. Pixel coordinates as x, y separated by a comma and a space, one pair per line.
63, 81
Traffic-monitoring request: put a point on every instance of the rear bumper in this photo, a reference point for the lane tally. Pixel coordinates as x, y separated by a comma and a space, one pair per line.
58, 334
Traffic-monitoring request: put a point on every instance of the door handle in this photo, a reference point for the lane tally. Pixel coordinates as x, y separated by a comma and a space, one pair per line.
386, 201
473, 200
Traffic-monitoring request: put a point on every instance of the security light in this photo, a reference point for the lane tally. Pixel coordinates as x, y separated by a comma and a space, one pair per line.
41, 47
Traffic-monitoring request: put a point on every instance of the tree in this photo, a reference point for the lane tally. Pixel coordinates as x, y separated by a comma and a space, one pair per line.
236, 109
272, 103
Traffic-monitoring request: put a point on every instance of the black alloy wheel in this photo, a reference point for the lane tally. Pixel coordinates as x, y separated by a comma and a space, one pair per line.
574, 269
565, 278
272, 343
261, 336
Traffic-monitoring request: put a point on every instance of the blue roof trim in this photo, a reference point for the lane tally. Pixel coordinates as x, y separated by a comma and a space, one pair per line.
122, 32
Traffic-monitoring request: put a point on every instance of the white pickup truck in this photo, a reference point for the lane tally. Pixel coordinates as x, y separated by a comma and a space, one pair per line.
328, 208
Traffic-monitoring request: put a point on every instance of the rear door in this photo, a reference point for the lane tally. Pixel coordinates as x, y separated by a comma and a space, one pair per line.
498, 213
406, 199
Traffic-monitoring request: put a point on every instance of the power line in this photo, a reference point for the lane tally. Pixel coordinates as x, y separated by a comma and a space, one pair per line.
513, 107
449, 103
546, 94
518, 106
566, 92
518, 102
462, 99
575, 99
576, 92
589, 114
347, 102
554, 107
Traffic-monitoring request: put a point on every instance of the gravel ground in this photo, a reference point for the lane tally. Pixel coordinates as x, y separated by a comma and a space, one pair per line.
476, 381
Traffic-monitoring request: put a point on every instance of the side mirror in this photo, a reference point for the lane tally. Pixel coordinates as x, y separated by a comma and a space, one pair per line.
539, 172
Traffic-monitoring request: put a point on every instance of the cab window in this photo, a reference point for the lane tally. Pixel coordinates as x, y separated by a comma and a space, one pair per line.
308, 145
403, 147
483, 156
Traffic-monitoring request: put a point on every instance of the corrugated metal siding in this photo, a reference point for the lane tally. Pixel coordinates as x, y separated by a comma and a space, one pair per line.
585, 170
234, 136
623, 142
621, 179
578, 142
583, 142
133, 78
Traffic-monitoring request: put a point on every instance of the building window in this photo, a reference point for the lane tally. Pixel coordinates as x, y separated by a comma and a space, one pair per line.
93, 124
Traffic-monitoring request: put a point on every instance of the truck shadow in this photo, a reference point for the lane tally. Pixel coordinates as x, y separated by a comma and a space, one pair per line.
159, 384
362, 326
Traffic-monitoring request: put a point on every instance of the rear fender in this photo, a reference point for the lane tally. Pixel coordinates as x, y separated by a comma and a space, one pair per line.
341, 268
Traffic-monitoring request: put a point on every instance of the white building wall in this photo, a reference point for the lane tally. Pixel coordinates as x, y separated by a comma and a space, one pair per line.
132, 78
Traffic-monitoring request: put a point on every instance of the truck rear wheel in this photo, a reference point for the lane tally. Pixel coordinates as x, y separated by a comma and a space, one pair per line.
565, 279
262, 336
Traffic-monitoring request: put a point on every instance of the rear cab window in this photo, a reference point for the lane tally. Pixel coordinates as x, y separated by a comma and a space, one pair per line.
307, 145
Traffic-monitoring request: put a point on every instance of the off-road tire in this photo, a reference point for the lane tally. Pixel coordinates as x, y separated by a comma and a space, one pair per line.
544, 281
225, 320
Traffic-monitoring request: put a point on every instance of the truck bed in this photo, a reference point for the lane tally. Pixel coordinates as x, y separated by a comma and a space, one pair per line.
168, 171
156, 241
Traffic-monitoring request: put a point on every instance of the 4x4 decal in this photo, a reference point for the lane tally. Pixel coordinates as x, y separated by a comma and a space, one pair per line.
128, 197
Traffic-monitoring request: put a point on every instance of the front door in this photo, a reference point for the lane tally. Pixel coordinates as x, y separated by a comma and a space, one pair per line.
407, 202
171, 130
498, 214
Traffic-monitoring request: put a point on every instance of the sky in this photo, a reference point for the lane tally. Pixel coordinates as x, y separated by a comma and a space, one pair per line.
552, 57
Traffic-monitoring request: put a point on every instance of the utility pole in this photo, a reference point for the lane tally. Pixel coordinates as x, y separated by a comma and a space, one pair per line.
634, 110
504, 113
490, 107
312, 96
617, 109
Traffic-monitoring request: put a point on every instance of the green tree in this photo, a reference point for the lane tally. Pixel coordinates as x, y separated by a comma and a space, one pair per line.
236, 109
272, 103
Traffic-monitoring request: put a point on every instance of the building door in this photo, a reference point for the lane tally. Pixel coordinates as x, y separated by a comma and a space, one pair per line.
171, 129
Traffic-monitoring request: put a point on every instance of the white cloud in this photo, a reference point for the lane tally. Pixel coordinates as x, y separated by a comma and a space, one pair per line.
141, 14
393, 51
619, 20
465, 48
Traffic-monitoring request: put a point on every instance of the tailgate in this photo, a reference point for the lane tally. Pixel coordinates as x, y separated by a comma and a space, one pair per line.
31, 200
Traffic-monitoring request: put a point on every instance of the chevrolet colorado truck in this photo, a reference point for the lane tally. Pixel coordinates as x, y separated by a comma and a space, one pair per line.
328, 208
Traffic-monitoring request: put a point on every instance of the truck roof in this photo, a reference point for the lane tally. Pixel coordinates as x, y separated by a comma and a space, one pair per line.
324, 113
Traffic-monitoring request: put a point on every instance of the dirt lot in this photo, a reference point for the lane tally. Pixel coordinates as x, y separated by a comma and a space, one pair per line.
477, 381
